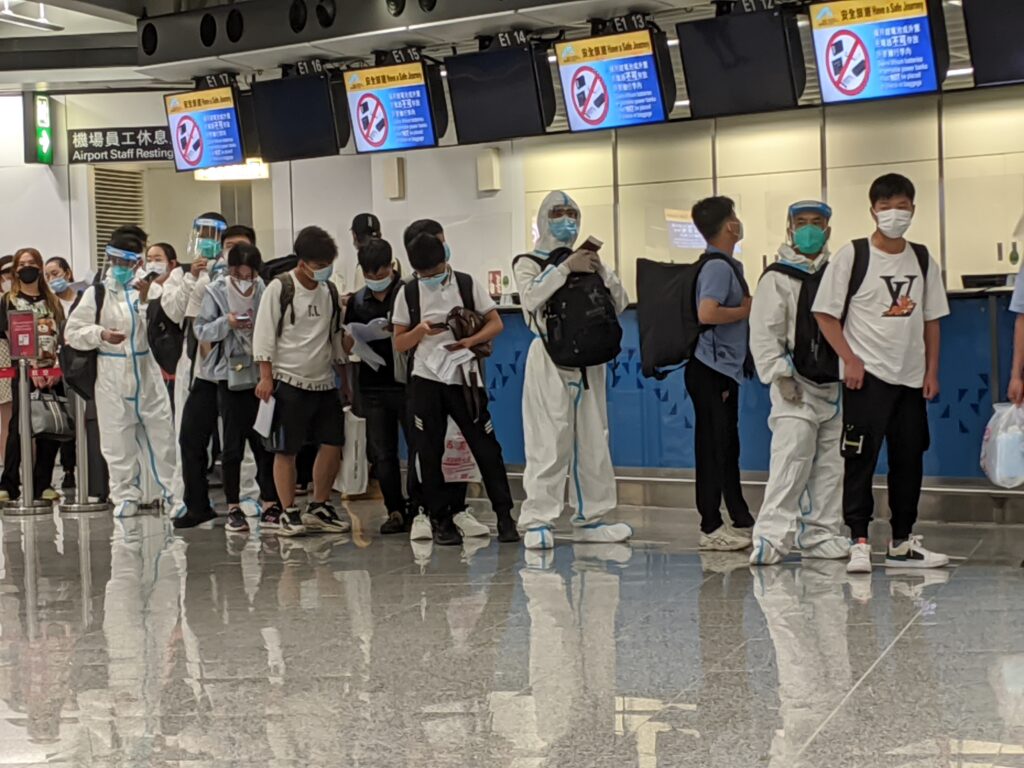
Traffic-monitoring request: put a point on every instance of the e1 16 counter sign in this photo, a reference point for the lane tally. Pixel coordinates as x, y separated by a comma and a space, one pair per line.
120, 145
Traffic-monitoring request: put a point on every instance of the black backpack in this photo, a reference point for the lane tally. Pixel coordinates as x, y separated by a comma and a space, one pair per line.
580, 324
813, 357
166, 338
288, 303
861, 257
78, 368
278, 266
667, 312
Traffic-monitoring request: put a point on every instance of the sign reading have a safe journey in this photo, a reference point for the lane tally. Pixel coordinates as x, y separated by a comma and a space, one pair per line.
119, 145
871, 49
204, 129
390, 108
610, 82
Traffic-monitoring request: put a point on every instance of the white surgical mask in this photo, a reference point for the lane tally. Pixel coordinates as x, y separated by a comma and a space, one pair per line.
158, 268
894, 222
5, 285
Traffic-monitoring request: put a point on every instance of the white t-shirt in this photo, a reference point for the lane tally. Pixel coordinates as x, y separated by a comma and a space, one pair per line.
435, 304
885, 325
305, 354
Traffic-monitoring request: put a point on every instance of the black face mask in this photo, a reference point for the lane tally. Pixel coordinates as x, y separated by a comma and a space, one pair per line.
28, 274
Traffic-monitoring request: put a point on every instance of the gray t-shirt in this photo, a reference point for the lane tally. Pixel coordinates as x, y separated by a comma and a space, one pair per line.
723, 347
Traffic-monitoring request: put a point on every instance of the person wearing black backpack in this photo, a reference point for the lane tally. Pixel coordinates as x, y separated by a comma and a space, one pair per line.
879, 306
713, 376
565, 409
805, 479
421, 317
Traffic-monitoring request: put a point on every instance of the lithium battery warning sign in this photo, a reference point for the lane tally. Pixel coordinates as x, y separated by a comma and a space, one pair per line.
873, 49
390, 108
610, 82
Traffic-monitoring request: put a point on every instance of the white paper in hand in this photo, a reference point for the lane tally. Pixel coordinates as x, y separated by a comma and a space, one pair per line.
264, 418
362, 334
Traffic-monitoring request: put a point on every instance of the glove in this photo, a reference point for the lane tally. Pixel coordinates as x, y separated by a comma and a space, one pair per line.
581, 261
791, 390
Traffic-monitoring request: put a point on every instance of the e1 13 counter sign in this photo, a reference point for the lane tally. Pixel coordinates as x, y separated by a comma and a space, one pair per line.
872, 50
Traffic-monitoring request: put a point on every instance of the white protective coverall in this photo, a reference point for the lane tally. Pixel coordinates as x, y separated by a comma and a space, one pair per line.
565, 425
805, 478
132, 406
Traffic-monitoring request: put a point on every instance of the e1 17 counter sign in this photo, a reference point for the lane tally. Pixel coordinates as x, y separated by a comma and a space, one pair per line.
120, 145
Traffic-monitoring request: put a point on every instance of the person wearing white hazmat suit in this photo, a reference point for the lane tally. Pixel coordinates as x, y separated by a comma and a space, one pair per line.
565, 415
132, 404
803, 501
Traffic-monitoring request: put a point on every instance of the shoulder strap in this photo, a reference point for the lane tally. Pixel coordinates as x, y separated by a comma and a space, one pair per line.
101, 294
532, 257
412, 300
287, 299
861, 257
923, 258
787, 269
335, 307
465, 283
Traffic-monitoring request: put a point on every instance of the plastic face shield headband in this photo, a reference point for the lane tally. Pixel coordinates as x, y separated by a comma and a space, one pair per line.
125, 256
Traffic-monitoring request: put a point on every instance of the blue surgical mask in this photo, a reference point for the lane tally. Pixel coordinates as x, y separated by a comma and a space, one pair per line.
565, 230
122, 274
447, 253
379, 286
323, 275
208, 248
59, 285
433, 282
809, 240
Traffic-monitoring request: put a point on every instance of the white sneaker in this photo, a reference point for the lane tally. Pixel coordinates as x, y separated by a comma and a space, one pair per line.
747, 534
910, 554
603, 533
860, 557
469, 526
539, 538
830, 549
765, 554
723, 540
421, 529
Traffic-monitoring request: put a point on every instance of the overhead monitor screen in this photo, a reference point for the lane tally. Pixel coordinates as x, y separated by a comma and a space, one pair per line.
390, 108
295, 118
994, 35
204, 129
873, 49
610, 81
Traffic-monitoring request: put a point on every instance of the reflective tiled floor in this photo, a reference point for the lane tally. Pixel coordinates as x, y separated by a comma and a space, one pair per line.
125, 645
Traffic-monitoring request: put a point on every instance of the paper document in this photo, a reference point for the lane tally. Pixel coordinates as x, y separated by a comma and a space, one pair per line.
363, 334
264, 418
444, 364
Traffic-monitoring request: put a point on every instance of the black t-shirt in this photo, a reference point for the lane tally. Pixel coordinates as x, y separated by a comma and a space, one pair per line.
362, 308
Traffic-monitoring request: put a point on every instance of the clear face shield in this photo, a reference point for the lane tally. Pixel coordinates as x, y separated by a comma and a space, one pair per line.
204, 242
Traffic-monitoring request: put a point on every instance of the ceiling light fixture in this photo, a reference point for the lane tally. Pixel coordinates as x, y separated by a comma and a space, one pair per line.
10, 17
962, 72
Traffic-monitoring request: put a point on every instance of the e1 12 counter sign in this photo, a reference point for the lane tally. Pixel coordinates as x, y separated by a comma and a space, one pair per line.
610, 82
873, 49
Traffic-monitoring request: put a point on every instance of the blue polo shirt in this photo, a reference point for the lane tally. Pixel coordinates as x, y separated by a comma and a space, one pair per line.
1017, 302
723, 347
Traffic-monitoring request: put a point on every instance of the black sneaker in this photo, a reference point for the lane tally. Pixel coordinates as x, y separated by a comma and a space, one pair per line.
270, 518
69, 481
236, 521
291, 524
507, 531
445, 532
394, 524
192, 519
320, 517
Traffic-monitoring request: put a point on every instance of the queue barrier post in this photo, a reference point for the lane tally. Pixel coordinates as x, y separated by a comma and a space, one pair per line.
81, 501
27, 503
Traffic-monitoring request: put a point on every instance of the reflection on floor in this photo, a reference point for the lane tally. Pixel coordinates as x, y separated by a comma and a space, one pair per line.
122, 644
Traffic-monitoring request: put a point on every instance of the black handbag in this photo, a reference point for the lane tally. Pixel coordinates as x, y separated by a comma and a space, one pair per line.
50, 417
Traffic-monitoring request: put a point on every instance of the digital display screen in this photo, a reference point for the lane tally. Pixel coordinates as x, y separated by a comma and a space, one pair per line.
611, 81
993, 34
295, 118
682, 232
873, 49
205, 131
390, 108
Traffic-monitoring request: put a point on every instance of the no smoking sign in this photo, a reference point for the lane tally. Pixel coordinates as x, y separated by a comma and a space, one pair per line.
849, 66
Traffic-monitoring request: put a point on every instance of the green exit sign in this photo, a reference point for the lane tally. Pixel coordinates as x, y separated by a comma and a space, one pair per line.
38, 129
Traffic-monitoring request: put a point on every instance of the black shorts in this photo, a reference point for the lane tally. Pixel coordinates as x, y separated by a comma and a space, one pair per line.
305, 418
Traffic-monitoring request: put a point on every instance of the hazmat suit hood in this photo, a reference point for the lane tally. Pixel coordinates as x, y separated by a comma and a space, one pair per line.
789, 255
546, 241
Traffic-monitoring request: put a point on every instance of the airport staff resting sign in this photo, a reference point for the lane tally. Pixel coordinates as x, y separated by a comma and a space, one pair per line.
873, 49
390, 108
610, 82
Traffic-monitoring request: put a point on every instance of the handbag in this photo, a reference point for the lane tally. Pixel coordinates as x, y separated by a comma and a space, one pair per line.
464, 323
242, 373
355, 469
50, 417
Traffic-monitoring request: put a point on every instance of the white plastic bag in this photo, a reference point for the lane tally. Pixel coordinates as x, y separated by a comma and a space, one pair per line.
1002, 448
458, 463
355, 468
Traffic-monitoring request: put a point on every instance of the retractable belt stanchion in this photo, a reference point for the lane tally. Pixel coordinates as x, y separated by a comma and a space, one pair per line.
26, 504
81, 501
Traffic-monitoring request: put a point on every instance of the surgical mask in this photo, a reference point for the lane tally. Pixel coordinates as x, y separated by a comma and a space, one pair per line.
158, 268
5, 285
564, 229
28, 274
447, 253
435, 281
894, 222
379, 286
207, 248
243, 286
739, 230
122, 274
323, 275
809, 240
59, 285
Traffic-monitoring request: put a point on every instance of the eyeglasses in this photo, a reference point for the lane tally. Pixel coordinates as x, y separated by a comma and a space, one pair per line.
563, 211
